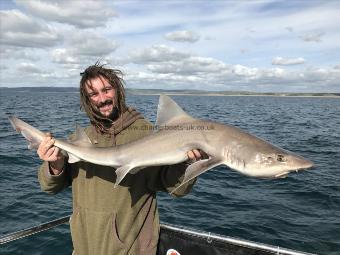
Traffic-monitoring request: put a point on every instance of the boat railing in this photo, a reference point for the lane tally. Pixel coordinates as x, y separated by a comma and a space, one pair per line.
206, 236
33, 230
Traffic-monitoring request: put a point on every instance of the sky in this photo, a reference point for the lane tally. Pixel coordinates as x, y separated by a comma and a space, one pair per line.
259, 46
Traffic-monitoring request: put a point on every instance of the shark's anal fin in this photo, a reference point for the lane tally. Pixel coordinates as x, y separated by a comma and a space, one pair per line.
197, 168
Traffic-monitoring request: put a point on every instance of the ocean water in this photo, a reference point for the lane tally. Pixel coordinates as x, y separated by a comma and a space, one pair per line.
299, 212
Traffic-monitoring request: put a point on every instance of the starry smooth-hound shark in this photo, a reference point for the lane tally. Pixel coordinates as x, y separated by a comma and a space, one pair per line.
175, 134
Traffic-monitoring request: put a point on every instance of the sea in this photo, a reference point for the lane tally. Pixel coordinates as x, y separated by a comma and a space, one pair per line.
300, 212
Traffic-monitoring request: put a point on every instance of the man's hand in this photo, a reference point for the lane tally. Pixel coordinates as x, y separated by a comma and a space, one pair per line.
48, 152
196, 155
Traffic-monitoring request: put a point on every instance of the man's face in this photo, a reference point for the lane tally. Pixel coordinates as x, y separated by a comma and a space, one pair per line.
102, 95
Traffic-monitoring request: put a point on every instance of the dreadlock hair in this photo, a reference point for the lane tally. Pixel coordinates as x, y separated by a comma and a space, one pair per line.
114, 77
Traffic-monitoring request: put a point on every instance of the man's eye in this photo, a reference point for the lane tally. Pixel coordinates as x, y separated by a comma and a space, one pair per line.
92, 94
108, 88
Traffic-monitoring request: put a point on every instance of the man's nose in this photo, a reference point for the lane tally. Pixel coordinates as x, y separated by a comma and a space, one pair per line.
102, 97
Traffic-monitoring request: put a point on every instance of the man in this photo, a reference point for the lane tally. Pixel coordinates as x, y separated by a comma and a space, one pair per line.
108, 220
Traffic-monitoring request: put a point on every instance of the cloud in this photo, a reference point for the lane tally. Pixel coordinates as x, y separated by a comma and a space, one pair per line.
191, 65
244, 71
162, 81
313, 37
63, 56
243, 51
18, 29
167, 65
92, 45
157, 53
322, 75
172, 67
82, 47
60, 38
28, 68
289, 29
164, 59
28, 74
287, 61
88, 14
16, 53
3, 67
186, 70
182, 36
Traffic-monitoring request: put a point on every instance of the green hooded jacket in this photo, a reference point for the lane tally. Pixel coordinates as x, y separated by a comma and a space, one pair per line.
108, 220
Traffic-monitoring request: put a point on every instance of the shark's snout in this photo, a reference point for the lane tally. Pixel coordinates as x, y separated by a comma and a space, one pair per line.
306, 164
300, 163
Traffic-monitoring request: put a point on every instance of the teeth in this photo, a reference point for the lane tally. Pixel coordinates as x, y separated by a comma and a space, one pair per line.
105, 106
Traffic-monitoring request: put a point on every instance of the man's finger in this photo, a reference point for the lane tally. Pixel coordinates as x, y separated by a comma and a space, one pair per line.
197, 154
44, 142
49, 143
191, 155
49, 152
55, 153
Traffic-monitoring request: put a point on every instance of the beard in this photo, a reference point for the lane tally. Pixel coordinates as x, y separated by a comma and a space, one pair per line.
114, 112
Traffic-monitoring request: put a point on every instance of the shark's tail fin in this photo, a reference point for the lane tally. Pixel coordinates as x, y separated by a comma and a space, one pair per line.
32, 135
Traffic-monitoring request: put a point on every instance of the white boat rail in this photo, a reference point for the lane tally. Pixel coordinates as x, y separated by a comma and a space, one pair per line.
207, 236
33, 230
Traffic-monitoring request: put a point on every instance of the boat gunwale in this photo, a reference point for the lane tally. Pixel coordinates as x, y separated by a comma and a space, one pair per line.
209, 237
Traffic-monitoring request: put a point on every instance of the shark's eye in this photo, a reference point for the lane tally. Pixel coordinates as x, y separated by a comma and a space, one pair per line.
280, 158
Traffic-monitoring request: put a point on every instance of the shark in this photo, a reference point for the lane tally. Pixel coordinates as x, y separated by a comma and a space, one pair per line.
175, 133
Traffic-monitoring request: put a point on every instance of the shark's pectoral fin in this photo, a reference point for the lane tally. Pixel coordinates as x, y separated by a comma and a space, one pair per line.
282, 175
197, 168
121, 172
72, 158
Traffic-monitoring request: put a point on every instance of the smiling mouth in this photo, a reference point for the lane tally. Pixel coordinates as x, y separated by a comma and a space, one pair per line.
105, 106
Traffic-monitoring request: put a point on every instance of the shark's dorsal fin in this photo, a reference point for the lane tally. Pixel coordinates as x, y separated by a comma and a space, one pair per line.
169, 111
80, 138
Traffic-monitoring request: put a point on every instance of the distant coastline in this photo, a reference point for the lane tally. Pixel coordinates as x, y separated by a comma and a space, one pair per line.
155, 92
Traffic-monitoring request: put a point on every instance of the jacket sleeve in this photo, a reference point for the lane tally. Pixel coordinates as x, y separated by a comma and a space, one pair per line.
53, 184
167, 178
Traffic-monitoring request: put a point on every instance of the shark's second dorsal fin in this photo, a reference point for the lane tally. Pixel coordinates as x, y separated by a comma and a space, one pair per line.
80, 138
169, 111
